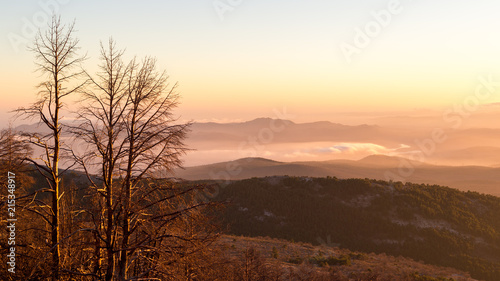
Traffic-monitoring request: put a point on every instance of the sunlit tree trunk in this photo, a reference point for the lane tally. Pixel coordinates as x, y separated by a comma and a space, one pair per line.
56, 58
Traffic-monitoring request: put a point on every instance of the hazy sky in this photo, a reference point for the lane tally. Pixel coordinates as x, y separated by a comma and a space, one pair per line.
241, 59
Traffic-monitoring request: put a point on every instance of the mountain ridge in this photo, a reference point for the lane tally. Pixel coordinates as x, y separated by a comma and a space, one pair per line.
381, 167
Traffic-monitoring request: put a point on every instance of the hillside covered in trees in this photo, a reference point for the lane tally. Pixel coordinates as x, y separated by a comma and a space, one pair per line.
434, 224
310, 249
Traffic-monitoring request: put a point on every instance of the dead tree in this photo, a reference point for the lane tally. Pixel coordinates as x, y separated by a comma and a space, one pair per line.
131, 136
57, 60
104, 101
153, 142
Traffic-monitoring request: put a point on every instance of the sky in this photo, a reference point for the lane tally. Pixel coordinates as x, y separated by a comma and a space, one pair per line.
242, 59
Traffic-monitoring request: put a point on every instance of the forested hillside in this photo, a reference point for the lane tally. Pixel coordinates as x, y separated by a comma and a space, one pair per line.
435, 224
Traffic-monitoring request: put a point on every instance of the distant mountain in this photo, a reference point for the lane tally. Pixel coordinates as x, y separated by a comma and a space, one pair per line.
289, 141
33, 128
476, 155
285, 140
474, 178
386, 161
285, 131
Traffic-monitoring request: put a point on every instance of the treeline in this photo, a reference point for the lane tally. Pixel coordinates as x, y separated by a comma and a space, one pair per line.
435, 224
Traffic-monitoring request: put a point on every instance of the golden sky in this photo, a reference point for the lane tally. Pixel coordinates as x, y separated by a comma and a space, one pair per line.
238, 60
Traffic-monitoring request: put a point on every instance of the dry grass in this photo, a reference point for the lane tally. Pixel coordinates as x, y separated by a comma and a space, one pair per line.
304, 257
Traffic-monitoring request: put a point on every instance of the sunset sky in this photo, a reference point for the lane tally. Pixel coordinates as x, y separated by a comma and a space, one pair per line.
243, 60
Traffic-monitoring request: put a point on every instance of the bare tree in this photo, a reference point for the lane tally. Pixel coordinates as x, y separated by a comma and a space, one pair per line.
132, 136
56, 58
102, 126
151, 142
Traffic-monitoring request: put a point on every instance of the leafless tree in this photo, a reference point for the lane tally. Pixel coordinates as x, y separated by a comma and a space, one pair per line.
152, 143
132, 136
56, 52
105, 99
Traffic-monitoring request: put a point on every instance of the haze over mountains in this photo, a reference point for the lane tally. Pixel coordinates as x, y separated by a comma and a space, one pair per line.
441, 138
458, 149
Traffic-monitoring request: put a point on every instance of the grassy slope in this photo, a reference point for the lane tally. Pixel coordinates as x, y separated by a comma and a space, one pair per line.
297, 257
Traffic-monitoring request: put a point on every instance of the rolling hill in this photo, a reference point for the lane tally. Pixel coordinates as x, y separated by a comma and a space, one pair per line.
474, 178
